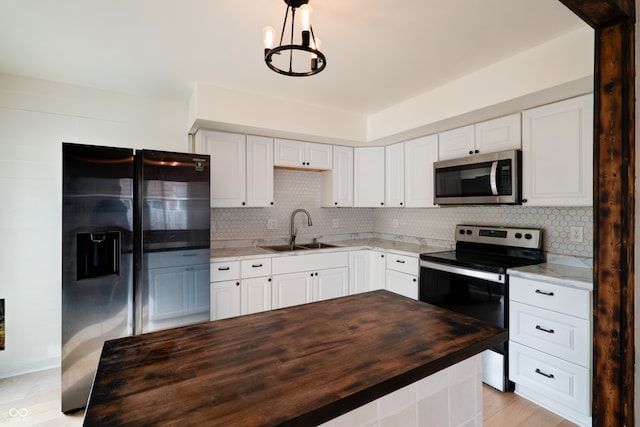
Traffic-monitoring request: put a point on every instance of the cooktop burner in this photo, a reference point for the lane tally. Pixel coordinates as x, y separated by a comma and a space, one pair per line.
493, 249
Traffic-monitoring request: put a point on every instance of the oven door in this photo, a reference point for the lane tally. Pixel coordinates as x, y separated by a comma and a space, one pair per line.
478, 294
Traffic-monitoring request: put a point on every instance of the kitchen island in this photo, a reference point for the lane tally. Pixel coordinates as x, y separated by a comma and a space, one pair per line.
302, 365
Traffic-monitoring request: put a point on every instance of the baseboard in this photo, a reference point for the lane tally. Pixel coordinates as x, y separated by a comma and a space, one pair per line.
14, 369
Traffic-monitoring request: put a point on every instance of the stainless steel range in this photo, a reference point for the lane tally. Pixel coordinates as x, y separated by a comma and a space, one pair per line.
473, 280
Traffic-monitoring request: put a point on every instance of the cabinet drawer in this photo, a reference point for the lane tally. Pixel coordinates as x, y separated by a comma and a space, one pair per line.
402, 263
575, 302
255, 267
221, 271
552, 378
567, 337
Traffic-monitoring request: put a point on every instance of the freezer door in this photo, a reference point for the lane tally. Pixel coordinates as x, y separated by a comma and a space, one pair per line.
97, 261
172, 240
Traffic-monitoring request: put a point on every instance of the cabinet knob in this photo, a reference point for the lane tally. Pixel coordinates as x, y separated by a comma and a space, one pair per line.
477, 151
237, 283
243, 203
415, 280
269, 279
382, 256
401, 203
381, 203
470, 152
335, 203
524, 201
271, 203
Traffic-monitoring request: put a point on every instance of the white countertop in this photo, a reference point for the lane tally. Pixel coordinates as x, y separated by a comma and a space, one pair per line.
402, 248
559, 274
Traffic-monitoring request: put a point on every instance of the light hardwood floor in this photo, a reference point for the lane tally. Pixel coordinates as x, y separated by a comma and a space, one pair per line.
34, 400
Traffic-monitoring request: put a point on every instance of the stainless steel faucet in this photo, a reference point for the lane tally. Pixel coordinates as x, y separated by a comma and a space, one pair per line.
292, 230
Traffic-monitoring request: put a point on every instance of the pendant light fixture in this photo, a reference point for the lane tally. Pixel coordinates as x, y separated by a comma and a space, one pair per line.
306, 56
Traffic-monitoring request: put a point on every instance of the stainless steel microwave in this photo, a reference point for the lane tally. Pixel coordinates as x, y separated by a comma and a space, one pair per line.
493, 178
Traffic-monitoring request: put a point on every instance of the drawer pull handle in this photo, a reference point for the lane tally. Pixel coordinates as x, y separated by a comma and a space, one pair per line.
256, 265
538, 291
549, 331
544, 374
223, 268
399, 261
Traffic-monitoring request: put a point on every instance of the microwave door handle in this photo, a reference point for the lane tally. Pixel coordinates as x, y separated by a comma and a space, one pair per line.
493, 179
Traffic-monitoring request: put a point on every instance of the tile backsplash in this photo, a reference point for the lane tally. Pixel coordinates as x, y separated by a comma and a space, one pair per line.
301, 189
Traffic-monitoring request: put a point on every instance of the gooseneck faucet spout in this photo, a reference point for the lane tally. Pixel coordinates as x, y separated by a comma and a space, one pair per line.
292, 230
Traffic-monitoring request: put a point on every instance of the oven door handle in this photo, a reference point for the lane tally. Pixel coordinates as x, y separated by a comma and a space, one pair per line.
493, 179
484, 275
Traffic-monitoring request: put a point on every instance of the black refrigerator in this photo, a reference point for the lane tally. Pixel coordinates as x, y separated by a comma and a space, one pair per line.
135, 251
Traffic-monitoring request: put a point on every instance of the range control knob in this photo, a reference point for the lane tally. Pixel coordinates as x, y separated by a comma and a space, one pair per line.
469, 232
461, 231
528, 236
518, 235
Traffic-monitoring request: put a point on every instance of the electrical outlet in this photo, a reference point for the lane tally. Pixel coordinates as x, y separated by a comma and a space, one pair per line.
395, 223
336, 223
576, 234
272, 224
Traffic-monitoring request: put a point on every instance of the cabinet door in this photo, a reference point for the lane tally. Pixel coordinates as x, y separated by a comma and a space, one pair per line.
359, 271
377, 270
255, 295
228, 167
337, 184
292, 289
394, 175
419, 156
368, 181
557, 153
332, 283
289, 153
402, 283
456, 143
318, 156
259, 171
499, 134
225, 299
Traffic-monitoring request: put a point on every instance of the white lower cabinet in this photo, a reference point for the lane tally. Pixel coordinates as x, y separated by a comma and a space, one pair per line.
550, 346
225, 299
402, 275
309, 286
366, 271
292, 289
248, 290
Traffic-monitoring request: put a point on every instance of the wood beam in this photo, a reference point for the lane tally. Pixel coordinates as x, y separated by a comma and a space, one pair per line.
614, 207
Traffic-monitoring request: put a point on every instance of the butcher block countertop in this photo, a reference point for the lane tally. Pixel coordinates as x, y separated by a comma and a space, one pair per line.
297, 366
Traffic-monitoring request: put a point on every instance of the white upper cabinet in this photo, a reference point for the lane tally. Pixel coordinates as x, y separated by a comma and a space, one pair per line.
368, 176
557, 153
455, 143
228, 167
337, 184
499, 134
241, 168
419, 156
303, 155
259, 171
394, 175
490, 136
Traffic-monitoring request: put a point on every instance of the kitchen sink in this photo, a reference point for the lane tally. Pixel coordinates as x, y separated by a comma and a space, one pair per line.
285, 248
290, 248
318, 245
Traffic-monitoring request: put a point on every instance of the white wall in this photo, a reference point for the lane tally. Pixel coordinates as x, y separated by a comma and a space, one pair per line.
559, 62
35, 118
223, 109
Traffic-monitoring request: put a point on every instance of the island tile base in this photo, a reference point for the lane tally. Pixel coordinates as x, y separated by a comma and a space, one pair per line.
449, 398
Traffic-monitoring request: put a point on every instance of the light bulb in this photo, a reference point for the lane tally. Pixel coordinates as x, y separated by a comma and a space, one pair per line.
305, 10
268, 37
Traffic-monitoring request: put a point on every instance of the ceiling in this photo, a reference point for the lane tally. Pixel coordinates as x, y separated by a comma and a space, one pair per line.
379, 52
